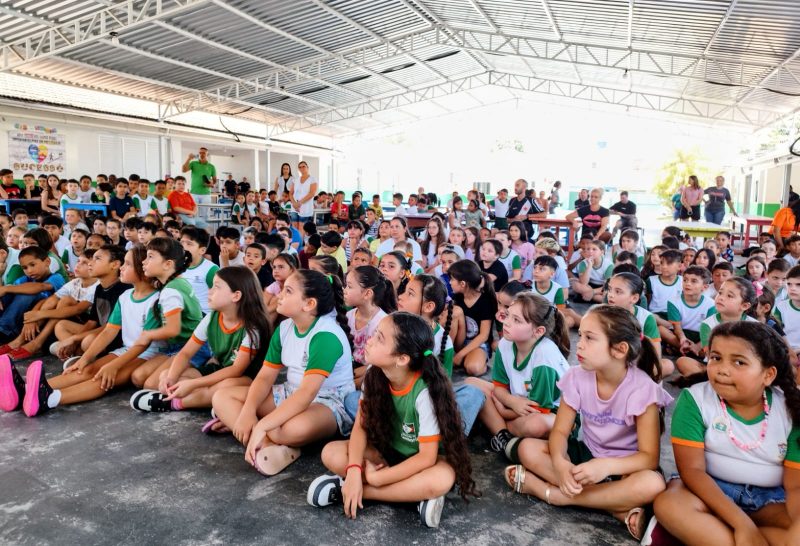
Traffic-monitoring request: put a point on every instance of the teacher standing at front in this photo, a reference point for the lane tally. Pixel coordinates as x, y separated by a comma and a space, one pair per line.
301, 193
204, 178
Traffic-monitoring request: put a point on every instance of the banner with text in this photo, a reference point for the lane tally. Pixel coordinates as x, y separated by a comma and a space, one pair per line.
37, 152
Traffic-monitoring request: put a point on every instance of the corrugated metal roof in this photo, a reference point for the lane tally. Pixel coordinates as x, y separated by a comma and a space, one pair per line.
274, 60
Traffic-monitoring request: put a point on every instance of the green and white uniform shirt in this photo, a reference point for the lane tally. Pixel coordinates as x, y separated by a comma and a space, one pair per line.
712, 322
162, 205
661, 293
511, 261
66, 201
789, 317
449, 350
554, 294
536, 376
699, 421
69, 258
225, 344
144, 205
138, 316
598, 275
237, 212
690, 316
177, 297
414, 421
648, 323
201, 277
323, 350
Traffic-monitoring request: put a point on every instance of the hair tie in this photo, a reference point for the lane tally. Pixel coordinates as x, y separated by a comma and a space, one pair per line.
549, 311
641, 336
409, 255
427, 352
330, 278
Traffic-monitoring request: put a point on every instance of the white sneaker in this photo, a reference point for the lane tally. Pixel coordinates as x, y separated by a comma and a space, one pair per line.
54, 348
430, 511
68, 362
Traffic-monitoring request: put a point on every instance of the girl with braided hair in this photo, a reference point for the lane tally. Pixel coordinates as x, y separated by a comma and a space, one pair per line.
176, 310
407, 443
315, 346
736, 438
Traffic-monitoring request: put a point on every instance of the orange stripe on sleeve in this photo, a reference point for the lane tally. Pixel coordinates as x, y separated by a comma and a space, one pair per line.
317, 372
247, 350
427, 439
273, 365
173, 312
197, 340
687, 443
115, 326
498, 384
791, 464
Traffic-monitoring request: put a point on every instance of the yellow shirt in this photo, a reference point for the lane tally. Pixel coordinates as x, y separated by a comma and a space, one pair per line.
339, 255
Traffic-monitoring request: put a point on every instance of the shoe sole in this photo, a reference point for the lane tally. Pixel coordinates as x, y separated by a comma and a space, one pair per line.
647, 538
69, 362
9, 397
138, 396
431, 511
317, 487
33, 375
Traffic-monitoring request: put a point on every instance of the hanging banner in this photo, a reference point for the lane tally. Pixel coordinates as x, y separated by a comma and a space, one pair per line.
36, 149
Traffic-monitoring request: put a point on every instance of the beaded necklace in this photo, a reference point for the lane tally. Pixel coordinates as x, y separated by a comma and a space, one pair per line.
738, 443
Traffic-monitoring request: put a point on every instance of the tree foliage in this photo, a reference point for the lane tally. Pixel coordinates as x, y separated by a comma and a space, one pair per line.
675, 172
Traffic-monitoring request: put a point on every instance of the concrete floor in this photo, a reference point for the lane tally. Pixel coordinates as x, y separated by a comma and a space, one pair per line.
101, 473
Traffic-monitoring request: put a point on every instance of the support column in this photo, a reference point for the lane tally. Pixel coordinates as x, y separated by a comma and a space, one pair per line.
257, 174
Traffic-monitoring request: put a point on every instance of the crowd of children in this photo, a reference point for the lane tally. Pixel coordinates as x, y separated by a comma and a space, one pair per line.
356, 334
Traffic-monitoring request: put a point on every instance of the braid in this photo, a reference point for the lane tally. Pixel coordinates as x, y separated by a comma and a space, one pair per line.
341, 316
446, 332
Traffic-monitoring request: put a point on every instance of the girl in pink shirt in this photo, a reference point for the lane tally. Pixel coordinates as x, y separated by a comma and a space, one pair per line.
615, 390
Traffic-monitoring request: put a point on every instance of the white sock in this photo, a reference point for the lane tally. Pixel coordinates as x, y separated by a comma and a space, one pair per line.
54, 398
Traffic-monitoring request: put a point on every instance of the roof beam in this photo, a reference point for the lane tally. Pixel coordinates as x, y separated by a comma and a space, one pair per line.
774, 72
26, 16
721, 24
63, 37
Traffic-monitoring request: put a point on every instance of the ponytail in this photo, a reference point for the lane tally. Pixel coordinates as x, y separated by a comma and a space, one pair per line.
327, 290
447, 324
169, 249
538, 311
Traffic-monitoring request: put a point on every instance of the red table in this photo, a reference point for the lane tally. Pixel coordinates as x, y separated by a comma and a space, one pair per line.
747, 221
558, 223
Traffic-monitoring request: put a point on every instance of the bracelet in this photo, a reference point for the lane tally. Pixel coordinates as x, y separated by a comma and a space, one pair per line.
358, 466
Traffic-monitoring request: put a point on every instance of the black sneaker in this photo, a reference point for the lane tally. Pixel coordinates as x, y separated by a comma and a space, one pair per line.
37, 391
324, 491
500, 440
150, 400
430, 511
12, 386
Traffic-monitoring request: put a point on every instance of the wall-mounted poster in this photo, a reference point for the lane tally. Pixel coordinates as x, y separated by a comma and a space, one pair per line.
36, 149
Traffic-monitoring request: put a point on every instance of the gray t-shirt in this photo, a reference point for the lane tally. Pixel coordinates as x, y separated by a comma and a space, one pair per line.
717, 197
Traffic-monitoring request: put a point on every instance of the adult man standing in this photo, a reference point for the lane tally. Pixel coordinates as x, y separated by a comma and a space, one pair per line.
715, 202
523, 209
243, 187
626, 210
204, 178
229, 186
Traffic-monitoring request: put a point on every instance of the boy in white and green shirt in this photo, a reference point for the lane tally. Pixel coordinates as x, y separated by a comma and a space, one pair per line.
143, 202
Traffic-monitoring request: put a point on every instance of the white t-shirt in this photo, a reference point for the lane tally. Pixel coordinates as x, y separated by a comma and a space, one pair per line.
388, 245
500, 208
85, 196
300, 189
201, 277
77, 291
131, 314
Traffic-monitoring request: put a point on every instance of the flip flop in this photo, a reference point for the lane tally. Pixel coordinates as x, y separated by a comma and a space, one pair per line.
21, 353
519, 477
636, 512
208, 428
272, 459
5, 349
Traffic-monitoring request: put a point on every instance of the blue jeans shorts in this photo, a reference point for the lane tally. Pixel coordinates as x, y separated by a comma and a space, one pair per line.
751, 498
199, 359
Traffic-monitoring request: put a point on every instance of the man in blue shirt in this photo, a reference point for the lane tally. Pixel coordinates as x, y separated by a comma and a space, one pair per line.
18, 298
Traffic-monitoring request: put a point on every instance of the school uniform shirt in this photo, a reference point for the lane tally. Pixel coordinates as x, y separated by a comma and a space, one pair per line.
360, 337
511, 261
414, 419
449, 350
648, 323
177, 297
699, 421
599, 274
201, 277
500, 208
322, 350
61, 244
710, 292
554, 294
499, 271
132, 316
69, 229
388, 245
69, 258
789, 317
660, 292
791, 260
162, 205
690, 316
66, 201
399, 210
75, 290
237, 213
144, 205
236, 260
484, 308
105, 298
85, 196
536, 376
712, 322
225, 344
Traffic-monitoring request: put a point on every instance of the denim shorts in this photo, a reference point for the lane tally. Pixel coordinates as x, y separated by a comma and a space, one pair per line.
751, 498
199, 359
333, 399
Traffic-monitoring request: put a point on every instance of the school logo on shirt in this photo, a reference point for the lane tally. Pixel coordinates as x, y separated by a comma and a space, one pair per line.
409, 433
782, 447
719, 424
